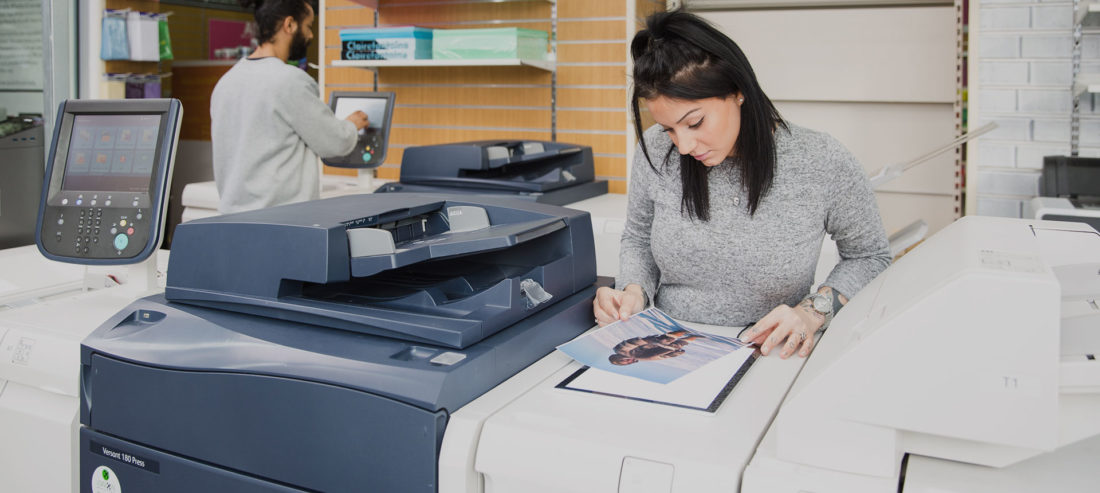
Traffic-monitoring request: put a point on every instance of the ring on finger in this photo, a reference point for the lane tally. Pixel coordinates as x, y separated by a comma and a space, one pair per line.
801, 336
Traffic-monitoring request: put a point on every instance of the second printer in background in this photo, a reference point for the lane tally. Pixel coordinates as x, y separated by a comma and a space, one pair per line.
548, 172
1069, 190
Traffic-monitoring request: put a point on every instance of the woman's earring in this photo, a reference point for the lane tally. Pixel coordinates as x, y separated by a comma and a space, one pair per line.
740, 100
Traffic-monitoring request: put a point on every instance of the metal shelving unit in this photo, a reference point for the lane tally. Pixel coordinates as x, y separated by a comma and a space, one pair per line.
1086, 17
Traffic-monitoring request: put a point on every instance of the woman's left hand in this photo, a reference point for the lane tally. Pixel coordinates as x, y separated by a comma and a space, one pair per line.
794, 325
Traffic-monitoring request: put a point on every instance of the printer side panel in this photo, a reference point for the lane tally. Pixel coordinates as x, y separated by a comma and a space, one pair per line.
430, 162
581, 245
211, 257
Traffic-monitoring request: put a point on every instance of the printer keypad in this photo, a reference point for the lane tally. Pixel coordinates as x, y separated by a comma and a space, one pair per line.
77, 231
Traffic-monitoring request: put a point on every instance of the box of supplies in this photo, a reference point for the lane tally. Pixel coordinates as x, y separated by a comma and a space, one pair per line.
386, 43
499, 42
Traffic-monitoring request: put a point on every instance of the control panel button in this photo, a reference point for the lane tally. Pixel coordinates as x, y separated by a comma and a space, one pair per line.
122, 223
130, 231
366, 157
121, 241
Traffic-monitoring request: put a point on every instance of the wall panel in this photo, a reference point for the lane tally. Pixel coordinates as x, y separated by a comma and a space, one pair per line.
880, 80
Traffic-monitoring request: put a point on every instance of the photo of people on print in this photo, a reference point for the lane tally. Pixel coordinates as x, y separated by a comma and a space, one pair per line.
651, 346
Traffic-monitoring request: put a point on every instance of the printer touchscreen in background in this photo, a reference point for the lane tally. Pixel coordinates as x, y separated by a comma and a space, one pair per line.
370, 149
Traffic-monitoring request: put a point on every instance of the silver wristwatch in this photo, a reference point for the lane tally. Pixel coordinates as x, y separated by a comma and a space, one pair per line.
824, 305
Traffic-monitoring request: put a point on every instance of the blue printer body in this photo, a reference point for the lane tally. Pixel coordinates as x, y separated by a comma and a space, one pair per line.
291, 352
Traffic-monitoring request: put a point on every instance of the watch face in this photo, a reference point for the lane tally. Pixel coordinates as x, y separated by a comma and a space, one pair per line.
822, 304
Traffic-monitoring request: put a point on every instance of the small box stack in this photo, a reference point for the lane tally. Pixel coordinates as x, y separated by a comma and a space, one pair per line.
502, 42
386, 43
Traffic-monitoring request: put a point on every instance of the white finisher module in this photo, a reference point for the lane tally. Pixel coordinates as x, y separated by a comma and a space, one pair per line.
969, 361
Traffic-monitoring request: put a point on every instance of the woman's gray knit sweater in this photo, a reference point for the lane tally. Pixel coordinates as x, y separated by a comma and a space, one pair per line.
735, 268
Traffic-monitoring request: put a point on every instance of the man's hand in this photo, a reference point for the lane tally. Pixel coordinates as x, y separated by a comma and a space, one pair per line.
359, 119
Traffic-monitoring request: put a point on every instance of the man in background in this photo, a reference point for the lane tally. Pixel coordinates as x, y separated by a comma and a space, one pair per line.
267, 125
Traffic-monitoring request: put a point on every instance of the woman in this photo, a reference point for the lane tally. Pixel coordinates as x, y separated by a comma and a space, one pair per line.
728, 203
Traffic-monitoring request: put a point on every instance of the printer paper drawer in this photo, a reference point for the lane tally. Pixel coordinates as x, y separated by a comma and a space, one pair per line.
295, 432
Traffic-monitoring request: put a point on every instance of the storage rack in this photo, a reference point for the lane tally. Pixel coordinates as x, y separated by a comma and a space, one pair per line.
1086, 20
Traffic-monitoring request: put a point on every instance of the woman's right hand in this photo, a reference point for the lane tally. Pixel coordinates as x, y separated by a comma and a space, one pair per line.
612, 305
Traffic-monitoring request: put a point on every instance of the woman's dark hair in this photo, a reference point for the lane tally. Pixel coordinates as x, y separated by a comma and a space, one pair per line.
270, 14
681, 56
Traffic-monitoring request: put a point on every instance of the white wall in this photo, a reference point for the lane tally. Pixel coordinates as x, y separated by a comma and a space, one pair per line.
1023, 67
881, 80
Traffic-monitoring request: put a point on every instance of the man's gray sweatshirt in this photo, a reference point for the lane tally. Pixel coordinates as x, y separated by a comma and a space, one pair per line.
268, 126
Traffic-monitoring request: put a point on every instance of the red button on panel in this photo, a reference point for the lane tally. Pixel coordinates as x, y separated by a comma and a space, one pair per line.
130, 231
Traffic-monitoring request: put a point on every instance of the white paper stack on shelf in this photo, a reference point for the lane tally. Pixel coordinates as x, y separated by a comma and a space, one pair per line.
141, 29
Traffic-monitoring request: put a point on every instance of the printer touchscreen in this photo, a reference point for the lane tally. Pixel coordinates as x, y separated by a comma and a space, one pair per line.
111, 153
107, 177
370, 148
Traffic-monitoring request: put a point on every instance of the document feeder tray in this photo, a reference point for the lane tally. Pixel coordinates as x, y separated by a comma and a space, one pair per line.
548, 172
416, 267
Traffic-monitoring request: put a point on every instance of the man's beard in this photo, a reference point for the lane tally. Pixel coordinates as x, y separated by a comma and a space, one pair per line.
299, 46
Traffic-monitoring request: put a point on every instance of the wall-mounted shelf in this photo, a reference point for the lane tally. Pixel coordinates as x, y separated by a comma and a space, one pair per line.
1088, 15
547, 65
374, 3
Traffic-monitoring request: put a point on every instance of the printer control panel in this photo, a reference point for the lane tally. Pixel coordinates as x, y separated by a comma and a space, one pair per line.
370, 146
107, 180
94, 228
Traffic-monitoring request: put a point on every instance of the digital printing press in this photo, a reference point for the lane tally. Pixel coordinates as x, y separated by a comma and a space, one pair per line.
322, 346
103, 206
967, 366
548, 172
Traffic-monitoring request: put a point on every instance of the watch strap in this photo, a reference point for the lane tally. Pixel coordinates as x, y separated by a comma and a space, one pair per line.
828, 315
